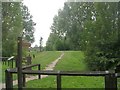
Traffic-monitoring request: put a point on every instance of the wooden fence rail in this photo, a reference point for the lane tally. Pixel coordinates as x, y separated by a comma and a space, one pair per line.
30, 67
110, 77
9, 72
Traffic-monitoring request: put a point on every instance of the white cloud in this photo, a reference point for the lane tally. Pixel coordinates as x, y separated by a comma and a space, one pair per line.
43, 12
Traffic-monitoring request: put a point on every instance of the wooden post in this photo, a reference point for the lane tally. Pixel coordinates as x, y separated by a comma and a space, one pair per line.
5, 62
58, 82
110, 82
8, 80
2, 61
29, 60
8, 62
39, 76
19, 62
24, 80
12, 63
16, 61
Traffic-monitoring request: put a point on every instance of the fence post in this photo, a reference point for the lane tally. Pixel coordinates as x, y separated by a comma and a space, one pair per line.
58, 81
29, 60
12, 63
8, 62
5, 62
24, 80
16, 61
19, 64
39, 76
110, 81
8, 80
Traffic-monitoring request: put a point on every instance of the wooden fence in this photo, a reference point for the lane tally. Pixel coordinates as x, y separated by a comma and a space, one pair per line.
7, 61
10, 62
110, 76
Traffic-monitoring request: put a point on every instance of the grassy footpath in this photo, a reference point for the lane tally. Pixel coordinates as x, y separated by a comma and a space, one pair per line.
45, 58
72, 60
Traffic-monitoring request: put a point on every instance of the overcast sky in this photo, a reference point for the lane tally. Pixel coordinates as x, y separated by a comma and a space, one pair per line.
43, 12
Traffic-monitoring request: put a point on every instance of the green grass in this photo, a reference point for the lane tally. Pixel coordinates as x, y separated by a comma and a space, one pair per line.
4, 67
82, 82
48, 82
45, 58
72, 60
68, 82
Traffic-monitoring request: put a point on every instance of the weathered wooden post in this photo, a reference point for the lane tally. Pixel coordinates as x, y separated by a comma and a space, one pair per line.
110, 81
39, 76
29, 60
58, 81
24, 80
19, 63
16, 61
12, 63
8, 80
5, 62
8, 62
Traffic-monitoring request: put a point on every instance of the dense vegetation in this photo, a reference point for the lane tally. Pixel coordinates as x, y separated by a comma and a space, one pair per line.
16, 20
91, 27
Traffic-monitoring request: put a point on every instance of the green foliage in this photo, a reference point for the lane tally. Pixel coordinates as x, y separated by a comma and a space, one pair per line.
13, 24
91, 27
28, 24
41, 42
101, 36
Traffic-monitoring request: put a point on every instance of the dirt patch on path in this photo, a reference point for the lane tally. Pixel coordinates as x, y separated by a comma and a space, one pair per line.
49, 67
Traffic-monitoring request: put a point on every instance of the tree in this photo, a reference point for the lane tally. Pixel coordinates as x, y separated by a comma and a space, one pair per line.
28, 24
13, 25
91, 27
41, 43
